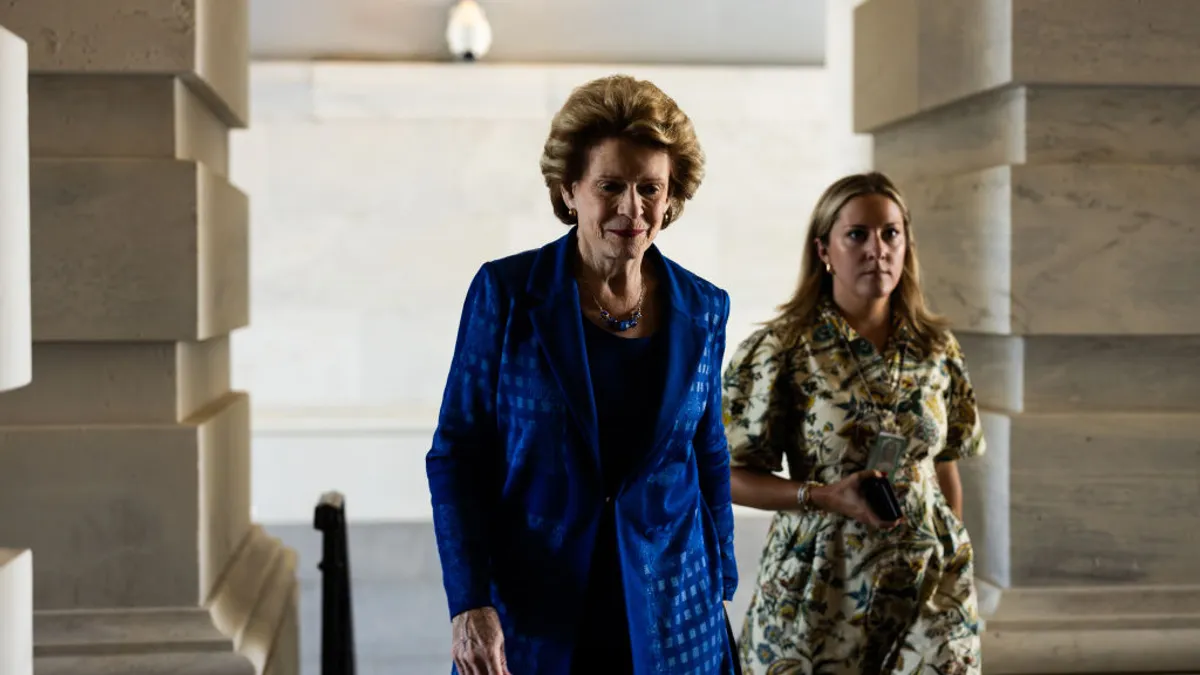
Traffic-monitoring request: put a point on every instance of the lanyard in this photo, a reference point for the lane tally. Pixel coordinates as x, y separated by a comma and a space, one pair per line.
858, 366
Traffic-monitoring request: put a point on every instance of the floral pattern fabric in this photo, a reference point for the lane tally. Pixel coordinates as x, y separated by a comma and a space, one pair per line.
832, 596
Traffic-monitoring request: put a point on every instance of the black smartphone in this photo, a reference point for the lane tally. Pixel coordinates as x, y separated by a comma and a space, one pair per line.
881, 498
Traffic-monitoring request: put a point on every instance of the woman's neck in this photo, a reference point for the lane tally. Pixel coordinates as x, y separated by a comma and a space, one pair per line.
621, 278
869, 317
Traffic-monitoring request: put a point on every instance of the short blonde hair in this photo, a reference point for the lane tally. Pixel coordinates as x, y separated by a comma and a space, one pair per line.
620, 106
815, 282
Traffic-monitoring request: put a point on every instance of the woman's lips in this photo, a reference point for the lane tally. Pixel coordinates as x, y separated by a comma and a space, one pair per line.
628, 234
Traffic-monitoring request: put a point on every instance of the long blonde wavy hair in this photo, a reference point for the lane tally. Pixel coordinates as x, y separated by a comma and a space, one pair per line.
908, 302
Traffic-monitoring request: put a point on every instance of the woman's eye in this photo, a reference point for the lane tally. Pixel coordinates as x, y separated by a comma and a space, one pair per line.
857, 235
650, 190
890, 233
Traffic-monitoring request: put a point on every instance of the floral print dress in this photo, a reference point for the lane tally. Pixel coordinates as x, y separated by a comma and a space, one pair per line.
832, 596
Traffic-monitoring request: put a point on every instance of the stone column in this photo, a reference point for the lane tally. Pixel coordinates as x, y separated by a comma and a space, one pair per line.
125, 465
1050, 152
16, 612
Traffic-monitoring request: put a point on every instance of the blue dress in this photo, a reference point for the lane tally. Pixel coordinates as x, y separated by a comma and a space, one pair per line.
627, 385
517, 480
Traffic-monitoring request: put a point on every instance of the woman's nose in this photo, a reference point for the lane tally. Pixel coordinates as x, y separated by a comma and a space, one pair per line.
631, 204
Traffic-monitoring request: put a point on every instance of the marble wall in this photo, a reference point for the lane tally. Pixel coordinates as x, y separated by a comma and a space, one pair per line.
124, 465
379, 189
1049, 153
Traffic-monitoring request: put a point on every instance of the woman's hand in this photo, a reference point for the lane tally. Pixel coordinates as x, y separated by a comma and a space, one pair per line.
478, 643
845, 497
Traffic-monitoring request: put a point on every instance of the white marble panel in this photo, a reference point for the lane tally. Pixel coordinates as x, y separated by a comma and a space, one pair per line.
997, 368
912, 56
206, 42
475, 91
1112, 125
765, 170
16, 612
405, 356
716, 94
300, 356
1106, 250
416, 175
972, 135
963, 48
962, 228
987, 502
886, 62
1141, 43
1105, 498
281, 91
1131, 373
382, 471
128, 250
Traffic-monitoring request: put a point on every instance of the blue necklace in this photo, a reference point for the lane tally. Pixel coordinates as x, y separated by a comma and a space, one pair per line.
621, 325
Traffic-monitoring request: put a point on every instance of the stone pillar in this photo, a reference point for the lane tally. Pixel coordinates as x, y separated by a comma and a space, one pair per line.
16, 612
125, 465
1050, 151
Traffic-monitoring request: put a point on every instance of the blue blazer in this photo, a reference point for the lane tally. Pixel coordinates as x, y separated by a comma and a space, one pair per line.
516, 484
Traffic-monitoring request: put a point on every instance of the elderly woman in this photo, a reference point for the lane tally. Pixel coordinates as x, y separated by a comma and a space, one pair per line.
579, 470
855, 365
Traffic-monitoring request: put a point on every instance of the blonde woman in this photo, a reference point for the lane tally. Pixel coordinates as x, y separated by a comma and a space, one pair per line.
579, 472
853, 365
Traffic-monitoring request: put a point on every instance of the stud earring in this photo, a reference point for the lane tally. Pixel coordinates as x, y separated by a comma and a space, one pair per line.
572, 213
829, 269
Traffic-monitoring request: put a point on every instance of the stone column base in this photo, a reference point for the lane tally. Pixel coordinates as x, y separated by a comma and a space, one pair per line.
249, 626
1093, 630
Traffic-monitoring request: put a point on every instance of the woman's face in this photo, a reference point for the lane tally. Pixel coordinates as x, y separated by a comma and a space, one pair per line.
866, 248
621, 198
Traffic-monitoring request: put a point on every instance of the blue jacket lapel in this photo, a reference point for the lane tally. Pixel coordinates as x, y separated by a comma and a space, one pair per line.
686, 336
558, 326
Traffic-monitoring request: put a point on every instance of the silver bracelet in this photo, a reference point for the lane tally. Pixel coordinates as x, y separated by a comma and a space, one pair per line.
804, 495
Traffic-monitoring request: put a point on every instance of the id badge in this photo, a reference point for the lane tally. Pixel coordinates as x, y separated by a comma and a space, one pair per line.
887, 452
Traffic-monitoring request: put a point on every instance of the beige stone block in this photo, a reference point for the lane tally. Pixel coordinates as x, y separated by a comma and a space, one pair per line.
972, 135
204, 42
248, 625
1104, 499
137, 250
996, 365
886, 68
1044, 125
148, 663
1106, 250
914, 56
110, 116
962, 225
1061, 249
1075, 373
1153, 42
987, 505
126, 516
963, 48
16, 612
1112, 125
1096, 629
119, 383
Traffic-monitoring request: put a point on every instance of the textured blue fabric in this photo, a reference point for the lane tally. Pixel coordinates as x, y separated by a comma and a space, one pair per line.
516, 484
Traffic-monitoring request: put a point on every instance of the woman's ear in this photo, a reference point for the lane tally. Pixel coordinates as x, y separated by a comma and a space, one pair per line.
568, 198
822, 251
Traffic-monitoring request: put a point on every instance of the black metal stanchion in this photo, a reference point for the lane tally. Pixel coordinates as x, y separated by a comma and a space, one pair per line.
337, 620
